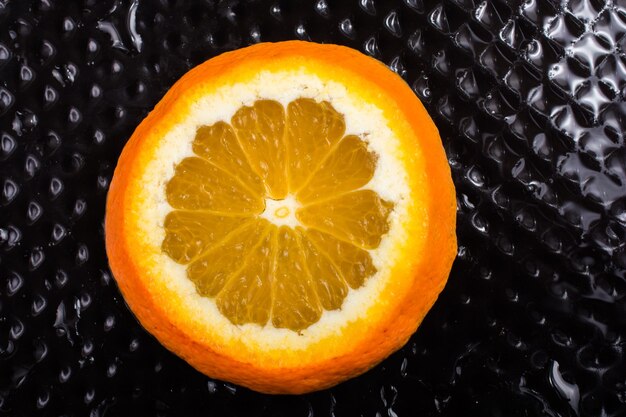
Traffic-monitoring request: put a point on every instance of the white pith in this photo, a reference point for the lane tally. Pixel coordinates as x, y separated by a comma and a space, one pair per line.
390, 182
274, 208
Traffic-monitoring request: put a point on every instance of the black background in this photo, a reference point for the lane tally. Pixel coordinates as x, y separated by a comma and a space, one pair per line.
529, 100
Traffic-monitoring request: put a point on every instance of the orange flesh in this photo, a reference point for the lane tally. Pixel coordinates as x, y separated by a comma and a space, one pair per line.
256, 271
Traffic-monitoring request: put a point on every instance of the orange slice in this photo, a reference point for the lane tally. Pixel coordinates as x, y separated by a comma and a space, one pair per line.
284, 218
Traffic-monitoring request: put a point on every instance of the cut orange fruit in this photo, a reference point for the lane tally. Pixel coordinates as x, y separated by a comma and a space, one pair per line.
284, 218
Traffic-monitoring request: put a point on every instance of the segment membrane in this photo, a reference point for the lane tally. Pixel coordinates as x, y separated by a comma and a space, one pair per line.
199, 185
295, 304
246, 297
353, 263
312, 130
211, 271
359, 217
189, 233
218, 144
328, 281
261, 130
347, 167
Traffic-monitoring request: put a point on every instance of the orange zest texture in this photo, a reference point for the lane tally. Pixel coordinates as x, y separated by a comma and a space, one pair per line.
284, 218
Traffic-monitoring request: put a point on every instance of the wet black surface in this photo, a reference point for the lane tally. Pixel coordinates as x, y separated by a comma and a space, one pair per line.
529, 99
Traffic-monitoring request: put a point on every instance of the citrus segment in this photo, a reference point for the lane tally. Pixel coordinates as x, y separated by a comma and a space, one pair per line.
296, 305
354, 264
359, 217
189, 233
246, 297
330, 286
199, 185
313, 129
261, 130
347, 167
210, 271
218, 145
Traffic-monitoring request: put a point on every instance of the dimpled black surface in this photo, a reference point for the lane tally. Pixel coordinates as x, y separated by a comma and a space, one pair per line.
529, 100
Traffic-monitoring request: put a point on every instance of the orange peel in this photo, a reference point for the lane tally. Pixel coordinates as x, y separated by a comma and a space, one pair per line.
411, 252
